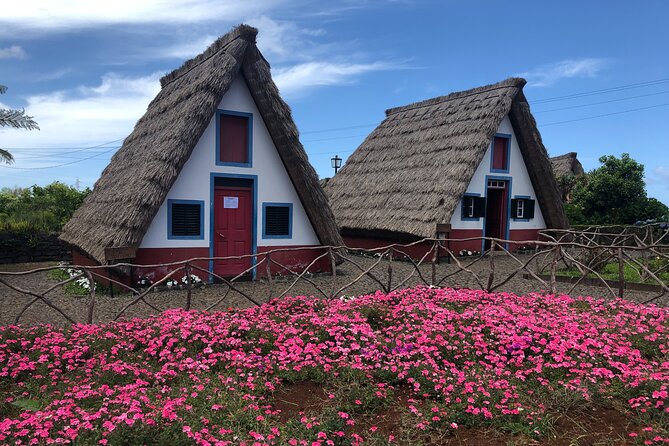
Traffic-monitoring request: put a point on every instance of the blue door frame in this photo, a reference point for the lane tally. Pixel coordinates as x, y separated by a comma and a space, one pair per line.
508, 180
254, 231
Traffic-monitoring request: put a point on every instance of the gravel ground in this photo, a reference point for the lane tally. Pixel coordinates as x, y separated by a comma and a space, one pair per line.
106, 308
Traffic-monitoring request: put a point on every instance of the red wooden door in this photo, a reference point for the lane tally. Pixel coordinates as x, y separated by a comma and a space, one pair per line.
233, 231
495, 216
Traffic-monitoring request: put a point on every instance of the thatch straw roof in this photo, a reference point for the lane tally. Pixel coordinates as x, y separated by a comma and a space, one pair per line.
412, 170
567, 164
127, 196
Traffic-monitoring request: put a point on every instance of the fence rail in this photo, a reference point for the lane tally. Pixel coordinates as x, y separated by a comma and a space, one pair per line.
582, 254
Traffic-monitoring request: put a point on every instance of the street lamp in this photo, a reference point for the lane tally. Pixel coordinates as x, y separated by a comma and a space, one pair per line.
336, 163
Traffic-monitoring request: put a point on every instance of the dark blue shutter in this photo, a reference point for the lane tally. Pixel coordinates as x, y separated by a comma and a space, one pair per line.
186, 220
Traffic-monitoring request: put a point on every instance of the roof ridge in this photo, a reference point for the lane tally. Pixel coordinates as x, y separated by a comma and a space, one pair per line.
565, 155
512, 82
244, 31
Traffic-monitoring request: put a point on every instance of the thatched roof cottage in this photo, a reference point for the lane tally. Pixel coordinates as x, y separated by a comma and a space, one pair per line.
214, 168
469, 164
566, 169
567, 164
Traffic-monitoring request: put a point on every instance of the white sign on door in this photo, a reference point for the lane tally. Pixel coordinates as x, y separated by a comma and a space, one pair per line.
230, 202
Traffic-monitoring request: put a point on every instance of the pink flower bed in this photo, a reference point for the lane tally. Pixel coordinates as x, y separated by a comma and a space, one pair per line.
448, 359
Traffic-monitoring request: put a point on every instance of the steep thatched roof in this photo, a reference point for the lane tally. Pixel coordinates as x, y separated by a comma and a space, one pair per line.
127, 196
412, 170
567, 164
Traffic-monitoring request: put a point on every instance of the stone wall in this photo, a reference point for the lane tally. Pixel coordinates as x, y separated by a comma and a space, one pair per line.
20, 247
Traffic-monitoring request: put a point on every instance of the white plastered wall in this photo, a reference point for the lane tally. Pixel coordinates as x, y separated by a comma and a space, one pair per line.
521, 185
273, 184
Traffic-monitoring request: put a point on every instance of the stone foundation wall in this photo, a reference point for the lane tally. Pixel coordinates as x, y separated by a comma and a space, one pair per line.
20, 247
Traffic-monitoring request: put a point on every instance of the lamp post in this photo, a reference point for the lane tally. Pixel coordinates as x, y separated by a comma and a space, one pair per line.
336, 163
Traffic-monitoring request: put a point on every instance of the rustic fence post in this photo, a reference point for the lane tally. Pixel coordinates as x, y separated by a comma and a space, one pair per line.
111, 284
390, 269
554, 264
491, 276
189, 291
433, 279
333, 266
621, 271
268, 271
91, 292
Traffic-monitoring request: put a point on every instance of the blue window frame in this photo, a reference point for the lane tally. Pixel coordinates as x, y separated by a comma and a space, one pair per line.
507, 137
185, 220
249, 138
277, 220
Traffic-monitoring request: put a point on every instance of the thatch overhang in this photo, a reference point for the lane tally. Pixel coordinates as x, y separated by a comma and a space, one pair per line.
567, 164
133, 186
410, 173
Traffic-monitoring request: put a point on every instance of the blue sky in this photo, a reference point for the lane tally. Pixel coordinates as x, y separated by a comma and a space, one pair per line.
87, 70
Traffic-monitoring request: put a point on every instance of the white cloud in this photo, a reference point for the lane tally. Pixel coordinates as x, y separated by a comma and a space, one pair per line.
49, 15
186, 50
296, 79
548, 75
662, 173
12, 52
282, 40
83, 116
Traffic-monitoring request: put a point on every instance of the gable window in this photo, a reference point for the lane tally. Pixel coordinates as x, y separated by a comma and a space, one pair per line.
473, 207
522, 208
500, 154
185, 220
277, 220
234, 138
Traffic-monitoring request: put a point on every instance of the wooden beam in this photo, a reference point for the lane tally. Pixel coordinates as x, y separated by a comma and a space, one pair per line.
120, 252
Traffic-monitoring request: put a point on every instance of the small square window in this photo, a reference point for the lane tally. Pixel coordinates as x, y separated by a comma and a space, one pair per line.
473, 207
185, 219
277, 220
522, 208
234, 138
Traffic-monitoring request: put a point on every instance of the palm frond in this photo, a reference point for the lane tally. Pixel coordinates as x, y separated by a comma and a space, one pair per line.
17, 119
6, 157
3, 89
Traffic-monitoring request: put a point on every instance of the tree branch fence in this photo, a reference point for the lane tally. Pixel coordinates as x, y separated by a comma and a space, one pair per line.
582, 253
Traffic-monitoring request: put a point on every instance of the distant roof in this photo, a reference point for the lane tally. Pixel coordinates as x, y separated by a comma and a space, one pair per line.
131, 189
567, 164
410, 173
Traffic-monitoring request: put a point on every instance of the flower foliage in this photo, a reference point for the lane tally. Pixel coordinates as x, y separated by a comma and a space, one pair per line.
463, 357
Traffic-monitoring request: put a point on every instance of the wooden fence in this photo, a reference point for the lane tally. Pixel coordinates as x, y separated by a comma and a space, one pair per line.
582, 254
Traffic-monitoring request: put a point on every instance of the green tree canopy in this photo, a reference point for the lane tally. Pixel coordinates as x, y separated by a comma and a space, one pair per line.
614, 193
45, 208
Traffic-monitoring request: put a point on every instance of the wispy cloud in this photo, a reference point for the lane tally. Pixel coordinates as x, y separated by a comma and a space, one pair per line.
48, 15
297, 79
549, 74
85, 115
13, 52
661, 175
58, 74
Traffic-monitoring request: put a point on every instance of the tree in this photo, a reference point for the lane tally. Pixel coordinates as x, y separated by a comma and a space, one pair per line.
39, 208
614, 193
16, 119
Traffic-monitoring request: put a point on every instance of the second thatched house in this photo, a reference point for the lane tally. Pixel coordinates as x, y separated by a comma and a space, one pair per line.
467, 165
567, 168
214, 168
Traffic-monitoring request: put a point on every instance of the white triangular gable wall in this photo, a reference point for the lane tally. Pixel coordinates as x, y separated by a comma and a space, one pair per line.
520, 185
274, 184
